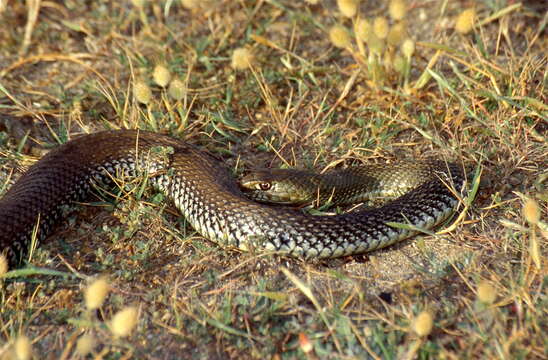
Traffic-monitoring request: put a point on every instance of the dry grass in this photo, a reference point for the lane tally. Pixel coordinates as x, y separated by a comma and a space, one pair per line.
478, 98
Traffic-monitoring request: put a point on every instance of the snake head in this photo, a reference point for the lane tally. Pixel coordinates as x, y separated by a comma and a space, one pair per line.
277, 186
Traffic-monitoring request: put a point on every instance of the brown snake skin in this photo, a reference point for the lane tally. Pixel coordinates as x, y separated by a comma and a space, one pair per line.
209, 198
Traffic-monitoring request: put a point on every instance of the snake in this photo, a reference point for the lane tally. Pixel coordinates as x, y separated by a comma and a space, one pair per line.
214, 203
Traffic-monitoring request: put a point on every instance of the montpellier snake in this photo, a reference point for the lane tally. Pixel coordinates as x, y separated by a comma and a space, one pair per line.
211, 200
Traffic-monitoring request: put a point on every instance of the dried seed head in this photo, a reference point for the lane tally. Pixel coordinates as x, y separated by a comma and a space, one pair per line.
161, 75
397, 9
85, 344
363, 29
465, 21
190, 4
22, 348
177, 89
124, 321
408, 48
139, 3
339, 36
242, 58
423, 323
142, 92
399, 64
96, 292
3, 264
487, 294
376, 44
397, 33
348, 8
381, 27
531, 211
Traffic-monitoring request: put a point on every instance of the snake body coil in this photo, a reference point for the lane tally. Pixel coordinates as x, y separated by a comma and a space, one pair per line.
209, 198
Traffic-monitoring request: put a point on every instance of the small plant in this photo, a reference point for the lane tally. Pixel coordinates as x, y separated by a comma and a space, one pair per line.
381, 45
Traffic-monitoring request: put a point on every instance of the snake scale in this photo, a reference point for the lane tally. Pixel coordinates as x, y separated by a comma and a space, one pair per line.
209, 198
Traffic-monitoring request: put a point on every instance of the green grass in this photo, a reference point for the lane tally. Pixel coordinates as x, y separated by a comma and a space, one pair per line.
479, 99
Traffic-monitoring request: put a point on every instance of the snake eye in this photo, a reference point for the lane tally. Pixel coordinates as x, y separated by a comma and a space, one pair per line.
265, 186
